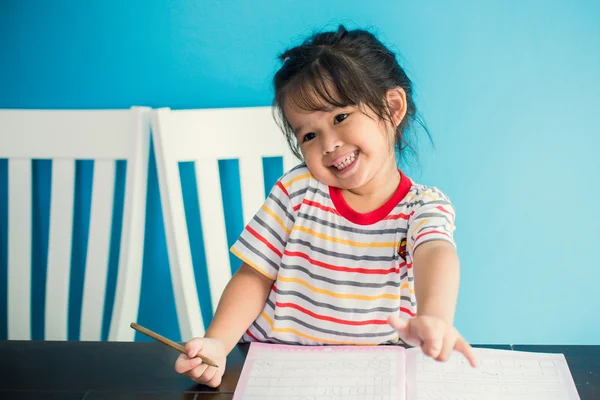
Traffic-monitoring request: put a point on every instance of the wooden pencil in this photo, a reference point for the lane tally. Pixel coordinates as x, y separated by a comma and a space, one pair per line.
170, 343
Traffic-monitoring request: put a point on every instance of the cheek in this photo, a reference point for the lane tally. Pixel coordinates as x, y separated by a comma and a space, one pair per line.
313, 160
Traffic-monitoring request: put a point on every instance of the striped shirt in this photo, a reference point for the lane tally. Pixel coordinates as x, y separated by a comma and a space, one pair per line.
338, 274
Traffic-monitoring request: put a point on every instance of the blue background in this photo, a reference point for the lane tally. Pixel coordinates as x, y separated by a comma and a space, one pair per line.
509, 91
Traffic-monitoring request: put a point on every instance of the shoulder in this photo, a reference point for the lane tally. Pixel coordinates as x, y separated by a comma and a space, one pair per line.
296, 181
423, 194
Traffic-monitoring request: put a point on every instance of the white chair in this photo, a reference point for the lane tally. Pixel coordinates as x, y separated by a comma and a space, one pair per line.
206, 136
65, 136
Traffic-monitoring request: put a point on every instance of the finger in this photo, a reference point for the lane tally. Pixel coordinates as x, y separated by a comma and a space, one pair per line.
399, 324
216, 380
447, 347
432, 342
466, 349
209, 374
193, 347
196, 373
403, 327
184, 364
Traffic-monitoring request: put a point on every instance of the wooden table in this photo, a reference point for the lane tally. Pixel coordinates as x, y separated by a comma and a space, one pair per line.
145, 370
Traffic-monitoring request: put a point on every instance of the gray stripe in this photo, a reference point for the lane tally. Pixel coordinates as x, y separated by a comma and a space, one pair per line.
351, 229
407, 298
420, 202
309, 189
282, 207
336, 308
270, 230
319, 192
332, 332
342, 255
264, 333
258, 253
430, 214
339, 282
442, 227
270, 338
445, 239
297, 193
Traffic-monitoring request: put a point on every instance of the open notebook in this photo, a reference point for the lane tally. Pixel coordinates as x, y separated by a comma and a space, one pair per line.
393, 373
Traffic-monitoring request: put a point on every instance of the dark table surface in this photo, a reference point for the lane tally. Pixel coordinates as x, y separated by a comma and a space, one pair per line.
145, 370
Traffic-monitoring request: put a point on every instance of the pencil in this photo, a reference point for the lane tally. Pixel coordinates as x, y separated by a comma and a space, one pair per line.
170, 343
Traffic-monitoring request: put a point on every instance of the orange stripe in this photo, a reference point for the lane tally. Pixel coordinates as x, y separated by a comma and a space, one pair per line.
276, 218
415, 229
341, 295
296, 179
250, 263
316, 339
345, 241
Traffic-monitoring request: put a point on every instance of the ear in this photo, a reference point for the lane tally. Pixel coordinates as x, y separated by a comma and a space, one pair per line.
396, 101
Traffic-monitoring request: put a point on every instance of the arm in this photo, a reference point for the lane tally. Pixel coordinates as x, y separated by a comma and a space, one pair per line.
242, 301
436, 270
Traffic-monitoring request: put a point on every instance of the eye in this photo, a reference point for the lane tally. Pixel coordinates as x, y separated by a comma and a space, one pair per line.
339, 118
308, 136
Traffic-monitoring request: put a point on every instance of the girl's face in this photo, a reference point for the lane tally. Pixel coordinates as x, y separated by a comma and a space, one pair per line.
344, 147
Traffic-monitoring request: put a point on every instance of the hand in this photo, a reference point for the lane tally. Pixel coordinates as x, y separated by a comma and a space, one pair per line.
436, 337
192, 367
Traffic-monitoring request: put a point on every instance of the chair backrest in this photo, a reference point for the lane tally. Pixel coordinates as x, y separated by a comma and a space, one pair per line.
65, 136
205, 137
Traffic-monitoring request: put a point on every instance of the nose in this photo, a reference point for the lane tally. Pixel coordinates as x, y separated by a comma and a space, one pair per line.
331, 142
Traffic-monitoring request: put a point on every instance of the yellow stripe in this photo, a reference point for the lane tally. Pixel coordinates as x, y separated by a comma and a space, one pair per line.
416, 229
296, 179
316, 339
244, 259
339, 295
431, 196
276, 218
345, 241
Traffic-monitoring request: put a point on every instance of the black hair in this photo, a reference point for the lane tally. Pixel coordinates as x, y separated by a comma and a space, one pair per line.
340, 69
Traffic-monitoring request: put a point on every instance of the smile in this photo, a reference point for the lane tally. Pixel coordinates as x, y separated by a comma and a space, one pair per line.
346, 162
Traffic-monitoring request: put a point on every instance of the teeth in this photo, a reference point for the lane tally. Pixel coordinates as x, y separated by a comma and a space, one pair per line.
343, 164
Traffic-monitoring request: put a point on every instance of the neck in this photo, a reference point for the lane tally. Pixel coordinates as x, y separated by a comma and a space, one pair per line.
377, 192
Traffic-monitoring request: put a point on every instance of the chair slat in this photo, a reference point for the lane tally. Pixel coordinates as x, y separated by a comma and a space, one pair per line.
19, 249
42, 134
98, 250
213, 227
178, 246
131, 255
252, 186
59, 249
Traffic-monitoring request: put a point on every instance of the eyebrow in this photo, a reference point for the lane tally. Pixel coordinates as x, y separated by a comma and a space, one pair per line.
297, 129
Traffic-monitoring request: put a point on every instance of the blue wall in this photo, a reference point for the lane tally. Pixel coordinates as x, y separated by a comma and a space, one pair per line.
509, 91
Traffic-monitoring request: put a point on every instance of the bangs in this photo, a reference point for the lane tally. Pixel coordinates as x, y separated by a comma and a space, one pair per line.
322, 86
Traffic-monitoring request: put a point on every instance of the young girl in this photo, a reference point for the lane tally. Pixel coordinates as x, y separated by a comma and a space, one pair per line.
345, 245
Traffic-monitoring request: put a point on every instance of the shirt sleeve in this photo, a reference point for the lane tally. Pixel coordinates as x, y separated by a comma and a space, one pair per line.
432, 219
262, 242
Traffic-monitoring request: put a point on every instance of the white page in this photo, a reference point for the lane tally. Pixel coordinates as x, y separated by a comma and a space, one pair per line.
501, 375
280, 372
